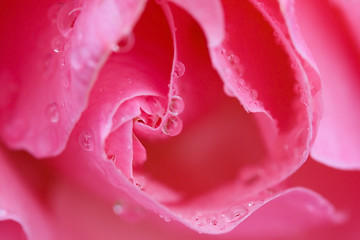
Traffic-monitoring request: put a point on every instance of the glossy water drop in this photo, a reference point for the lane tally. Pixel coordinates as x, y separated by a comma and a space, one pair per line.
86, 140
198, 221
213, 221
57, 44
235, 65
166, 218
176, 105
240, 83
172, 126
236, 213
253, 93
52, 112
179, 69
118, 208
125, 44
228, 91
232, 59
66, 18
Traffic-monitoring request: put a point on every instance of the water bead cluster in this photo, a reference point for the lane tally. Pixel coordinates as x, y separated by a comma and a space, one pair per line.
173, 124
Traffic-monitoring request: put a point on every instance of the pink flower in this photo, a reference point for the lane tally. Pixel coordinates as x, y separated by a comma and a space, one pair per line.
165, 119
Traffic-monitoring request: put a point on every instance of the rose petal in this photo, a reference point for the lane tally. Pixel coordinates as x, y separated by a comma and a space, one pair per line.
335, 48
294, 214
271, 81
209, 14
128, 85
50, 64
339, 187
350, 11
21, 214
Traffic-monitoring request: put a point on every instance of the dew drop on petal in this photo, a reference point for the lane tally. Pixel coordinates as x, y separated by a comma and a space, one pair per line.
166, 218
213, 221
57, 44
125, 44
228, 91
86, 140
172, 126
240, 83
118, 208
236, 213
253, 94
66, 18
179, 69
52, 112
176, 105
198, 220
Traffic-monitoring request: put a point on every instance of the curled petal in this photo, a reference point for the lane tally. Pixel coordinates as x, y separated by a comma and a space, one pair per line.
48, 70
328, 28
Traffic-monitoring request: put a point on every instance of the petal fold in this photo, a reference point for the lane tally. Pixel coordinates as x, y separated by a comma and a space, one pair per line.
328, 29
47, 70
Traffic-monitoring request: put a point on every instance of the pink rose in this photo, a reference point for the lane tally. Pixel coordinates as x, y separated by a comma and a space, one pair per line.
134, 119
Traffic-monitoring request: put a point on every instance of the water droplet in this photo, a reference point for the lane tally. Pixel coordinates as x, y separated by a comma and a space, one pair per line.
172, 126
236, 213
198, 220
240, 83
115, 48
66, 18
232, 59
57, 44
140, 182
86, 140
179, 69
125, 44
213, 221
228, 91
253, 93
235, 64
118, 208
52, 112
166, 218
176, 105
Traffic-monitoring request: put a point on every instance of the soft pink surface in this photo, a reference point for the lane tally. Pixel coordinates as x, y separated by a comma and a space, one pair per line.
75, 213
22, 211
46, 91
177, 175
334, 42
251, 94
